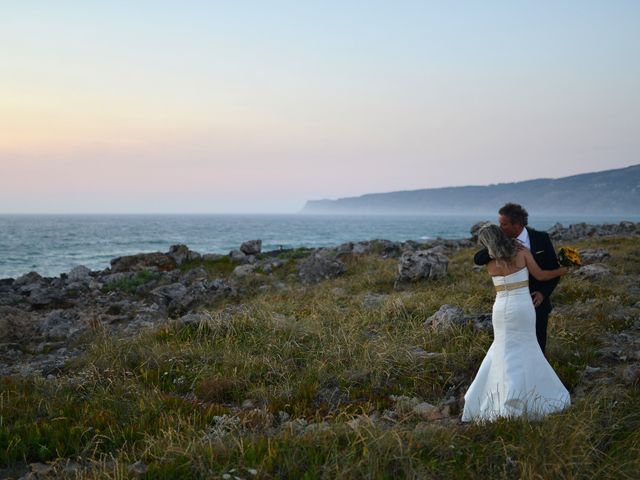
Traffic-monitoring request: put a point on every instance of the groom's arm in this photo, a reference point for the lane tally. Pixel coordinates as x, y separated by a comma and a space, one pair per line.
482, 257
550, 262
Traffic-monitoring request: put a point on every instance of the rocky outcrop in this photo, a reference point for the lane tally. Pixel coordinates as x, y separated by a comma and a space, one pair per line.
593, 255
238, 256
422, 265
251, 247
384, 248
584, 230
373, 301
80, 275
143, 261
592, 272
169, 295
321, 265
243, 270
449, 316
16, 324
181, 254
61, 324
39, 314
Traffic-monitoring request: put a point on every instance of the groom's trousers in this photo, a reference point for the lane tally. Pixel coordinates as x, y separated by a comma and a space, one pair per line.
542, 320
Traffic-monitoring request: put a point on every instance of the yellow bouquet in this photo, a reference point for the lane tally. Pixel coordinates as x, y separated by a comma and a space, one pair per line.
569, 257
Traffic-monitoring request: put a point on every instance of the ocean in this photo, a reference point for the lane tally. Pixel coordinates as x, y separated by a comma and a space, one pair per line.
53, 244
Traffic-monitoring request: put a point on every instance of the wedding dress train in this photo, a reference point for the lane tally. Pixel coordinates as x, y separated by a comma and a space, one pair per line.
514, 378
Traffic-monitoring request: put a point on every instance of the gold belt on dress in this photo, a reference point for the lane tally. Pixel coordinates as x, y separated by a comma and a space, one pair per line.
512, 286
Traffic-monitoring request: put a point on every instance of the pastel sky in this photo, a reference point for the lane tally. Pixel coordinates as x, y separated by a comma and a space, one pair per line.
257, 106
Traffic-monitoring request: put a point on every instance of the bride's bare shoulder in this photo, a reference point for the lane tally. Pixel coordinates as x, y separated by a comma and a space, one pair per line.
521, 257
492, 268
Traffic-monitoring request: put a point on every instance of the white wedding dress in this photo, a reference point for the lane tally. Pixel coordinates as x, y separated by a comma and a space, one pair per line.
514, 378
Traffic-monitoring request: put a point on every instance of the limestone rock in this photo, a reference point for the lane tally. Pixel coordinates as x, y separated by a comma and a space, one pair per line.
146, 317
194, 319
36, 290
220, 287
181, 254
584, 230
592, 272
243, 270
361, 248
143, 261
60, 324
137, 468
420, 353
373, 301
341, 250
168, 293
446, 317
331, 397
251, 247
211, 257
175, 297
449, 316
422, 265
79, 274
42, 296
385, 248
404, 405
631, 374
193, 276
320, 266
427, 411
28, 282
7, 294
39, 470
16, 324
238, 256
594, 255
269, 265
109, 278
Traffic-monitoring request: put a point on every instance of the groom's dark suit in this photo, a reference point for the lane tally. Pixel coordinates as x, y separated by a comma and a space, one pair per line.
545, 256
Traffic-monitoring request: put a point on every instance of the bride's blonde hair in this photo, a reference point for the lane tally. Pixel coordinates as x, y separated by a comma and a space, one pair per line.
497, 243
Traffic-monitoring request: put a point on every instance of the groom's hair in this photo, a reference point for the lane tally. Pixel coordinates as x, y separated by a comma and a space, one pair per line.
515, 213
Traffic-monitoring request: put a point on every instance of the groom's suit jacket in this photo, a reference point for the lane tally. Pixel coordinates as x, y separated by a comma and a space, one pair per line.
544, 255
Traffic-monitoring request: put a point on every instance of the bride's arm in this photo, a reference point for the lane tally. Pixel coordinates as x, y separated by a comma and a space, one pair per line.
537, 272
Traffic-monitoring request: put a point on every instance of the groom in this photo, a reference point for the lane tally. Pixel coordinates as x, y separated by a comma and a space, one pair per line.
513, 222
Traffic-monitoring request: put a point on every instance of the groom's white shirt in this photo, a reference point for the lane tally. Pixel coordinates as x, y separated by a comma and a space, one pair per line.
523, 238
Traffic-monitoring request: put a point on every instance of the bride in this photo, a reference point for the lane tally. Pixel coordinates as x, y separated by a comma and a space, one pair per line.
514, 378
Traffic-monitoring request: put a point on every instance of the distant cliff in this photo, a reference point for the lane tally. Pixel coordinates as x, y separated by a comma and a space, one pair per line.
611, 191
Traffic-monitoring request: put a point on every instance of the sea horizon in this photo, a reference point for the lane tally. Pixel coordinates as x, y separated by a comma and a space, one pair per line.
328, 214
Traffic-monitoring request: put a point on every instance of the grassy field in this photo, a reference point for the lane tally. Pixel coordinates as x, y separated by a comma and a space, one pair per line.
293, 381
